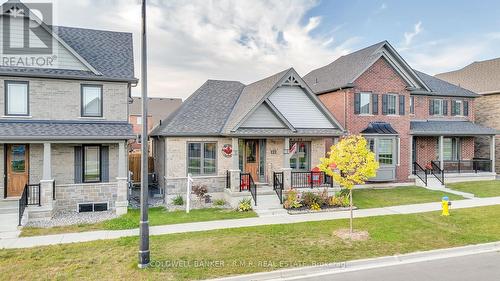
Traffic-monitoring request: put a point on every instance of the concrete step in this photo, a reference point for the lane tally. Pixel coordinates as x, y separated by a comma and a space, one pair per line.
9, 210
9, 222
9, 203
271, 212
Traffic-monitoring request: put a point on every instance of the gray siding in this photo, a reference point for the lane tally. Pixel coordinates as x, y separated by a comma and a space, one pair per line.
298, 108
263, 117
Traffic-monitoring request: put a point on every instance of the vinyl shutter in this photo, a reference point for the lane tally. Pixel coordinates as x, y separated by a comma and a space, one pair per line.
357, 106
453, 109
375, 104
445, 107
401, 105
384, 104
78, 164
105, 163
431, 107
466, 108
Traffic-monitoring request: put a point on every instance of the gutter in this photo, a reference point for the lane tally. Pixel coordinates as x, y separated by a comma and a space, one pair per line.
346, 86
69, 77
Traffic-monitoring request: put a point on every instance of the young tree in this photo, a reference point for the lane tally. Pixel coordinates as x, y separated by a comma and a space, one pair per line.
350, 162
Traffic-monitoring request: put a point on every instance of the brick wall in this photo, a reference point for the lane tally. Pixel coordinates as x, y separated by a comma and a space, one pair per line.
422, 109
53, 99
488, 109
427, 147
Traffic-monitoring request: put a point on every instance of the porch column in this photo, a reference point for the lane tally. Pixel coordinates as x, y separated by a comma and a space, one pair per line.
47, 182
410, 145
493, 154
121, 203
441, 151
287, 171
234, 173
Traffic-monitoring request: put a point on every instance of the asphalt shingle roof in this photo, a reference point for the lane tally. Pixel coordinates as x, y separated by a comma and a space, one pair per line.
110, 53
443, 88
448, 128
379, 128
44, 129
205, 112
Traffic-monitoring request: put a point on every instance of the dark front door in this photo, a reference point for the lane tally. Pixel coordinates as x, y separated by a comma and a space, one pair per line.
252, 158
17, 169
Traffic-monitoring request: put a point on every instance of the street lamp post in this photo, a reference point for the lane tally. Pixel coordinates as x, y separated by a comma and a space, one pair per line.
144, 255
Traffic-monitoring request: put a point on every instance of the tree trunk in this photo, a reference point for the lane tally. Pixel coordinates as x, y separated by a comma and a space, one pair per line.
350, 207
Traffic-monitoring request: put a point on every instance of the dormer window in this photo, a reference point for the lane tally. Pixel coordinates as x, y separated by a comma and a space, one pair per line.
16, 98
91, 101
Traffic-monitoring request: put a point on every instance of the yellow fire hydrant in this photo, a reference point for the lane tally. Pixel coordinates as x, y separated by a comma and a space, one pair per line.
445, 204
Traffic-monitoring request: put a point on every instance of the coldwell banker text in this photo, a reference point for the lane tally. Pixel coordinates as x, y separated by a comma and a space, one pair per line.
28, 61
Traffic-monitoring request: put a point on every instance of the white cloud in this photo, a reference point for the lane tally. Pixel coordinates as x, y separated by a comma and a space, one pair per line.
417, 29
190, 42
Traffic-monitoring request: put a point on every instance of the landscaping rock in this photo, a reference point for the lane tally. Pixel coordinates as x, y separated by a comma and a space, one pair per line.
72, 218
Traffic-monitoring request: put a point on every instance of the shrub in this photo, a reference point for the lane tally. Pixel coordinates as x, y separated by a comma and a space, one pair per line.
323, 196
292, 200
178, 200
219, 202
200, 191
245, 205
315, 207
311, 198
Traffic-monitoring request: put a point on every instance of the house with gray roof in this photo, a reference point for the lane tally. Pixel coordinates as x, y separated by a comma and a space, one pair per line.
234, 137
413, 121
482, 77
64, 123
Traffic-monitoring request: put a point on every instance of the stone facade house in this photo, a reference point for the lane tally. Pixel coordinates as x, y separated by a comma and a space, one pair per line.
412, 121
232, 137
482, 77
64, 126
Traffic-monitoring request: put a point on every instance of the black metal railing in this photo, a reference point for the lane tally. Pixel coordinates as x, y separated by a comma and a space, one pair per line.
467, 166
437, 172
34, 194
247, 183
311, 180
22, 204
228, 179
53, 190
278, 185
420, 172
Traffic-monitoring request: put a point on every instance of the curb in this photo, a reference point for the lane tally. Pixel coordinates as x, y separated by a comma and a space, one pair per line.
363, 264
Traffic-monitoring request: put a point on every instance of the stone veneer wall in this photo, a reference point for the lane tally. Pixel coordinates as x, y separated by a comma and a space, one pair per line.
68, 196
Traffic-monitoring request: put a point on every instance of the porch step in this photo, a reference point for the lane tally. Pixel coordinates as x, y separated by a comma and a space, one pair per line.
9, 222
9, 206
269, 205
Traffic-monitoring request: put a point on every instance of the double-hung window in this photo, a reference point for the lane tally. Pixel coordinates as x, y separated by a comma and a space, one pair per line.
391, 104
456, 108
386, 151
365, 103
451, 149
16, 98
91, 163
91, 101
437, 107
412, 105
202, 158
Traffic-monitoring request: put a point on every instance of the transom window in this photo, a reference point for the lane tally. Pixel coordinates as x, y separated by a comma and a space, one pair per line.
202, 158
91, 163
16, 98
391, 104
364, 103
91, 100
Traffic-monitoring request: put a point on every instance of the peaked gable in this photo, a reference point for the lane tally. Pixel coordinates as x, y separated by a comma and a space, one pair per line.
263, 117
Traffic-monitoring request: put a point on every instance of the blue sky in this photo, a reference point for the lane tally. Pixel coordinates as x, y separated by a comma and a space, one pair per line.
191, 41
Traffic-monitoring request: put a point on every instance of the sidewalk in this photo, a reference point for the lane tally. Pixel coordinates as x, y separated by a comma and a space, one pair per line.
27, 242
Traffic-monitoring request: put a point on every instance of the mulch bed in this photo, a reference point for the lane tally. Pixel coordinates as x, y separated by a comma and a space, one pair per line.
305, 210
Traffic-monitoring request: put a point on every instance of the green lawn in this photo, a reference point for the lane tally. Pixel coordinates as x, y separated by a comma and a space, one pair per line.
478, 188
157, 216
374, 198
251, 249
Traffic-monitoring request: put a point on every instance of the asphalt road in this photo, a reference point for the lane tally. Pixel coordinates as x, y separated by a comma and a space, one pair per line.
479, 267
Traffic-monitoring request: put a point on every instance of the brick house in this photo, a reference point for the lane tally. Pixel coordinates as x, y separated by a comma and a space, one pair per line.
482, 77
233, 137
64, 126
407, 116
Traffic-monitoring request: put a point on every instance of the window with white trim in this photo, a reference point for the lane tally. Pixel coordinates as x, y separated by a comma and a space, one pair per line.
16, 98
437, 107
457, 106
391, 104
365, 103
202, 158
91, 101
386, 151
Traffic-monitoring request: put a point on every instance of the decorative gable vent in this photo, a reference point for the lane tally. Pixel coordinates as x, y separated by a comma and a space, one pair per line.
15, 11
291, 81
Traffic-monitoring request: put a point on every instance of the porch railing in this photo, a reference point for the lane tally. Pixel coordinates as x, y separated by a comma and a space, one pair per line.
311, 180
247, 183
467, 166
278, 185
54, 190
437, 172
420, 172
31, 196
228, 179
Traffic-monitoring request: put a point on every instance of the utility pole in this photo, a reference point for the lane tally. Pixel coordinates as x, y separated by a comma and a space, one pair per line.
144, 255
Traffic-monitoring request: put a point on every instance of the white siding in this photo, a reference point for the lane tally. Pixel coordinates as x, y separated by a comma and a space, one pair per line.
64, 58
298, 108
263, 117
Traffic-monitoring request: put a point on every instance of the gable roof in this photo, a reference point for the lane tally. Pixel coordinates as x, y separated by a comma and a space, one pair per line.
218, 108
443, 88
108, 55
482, 77
342, 72
204, 112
